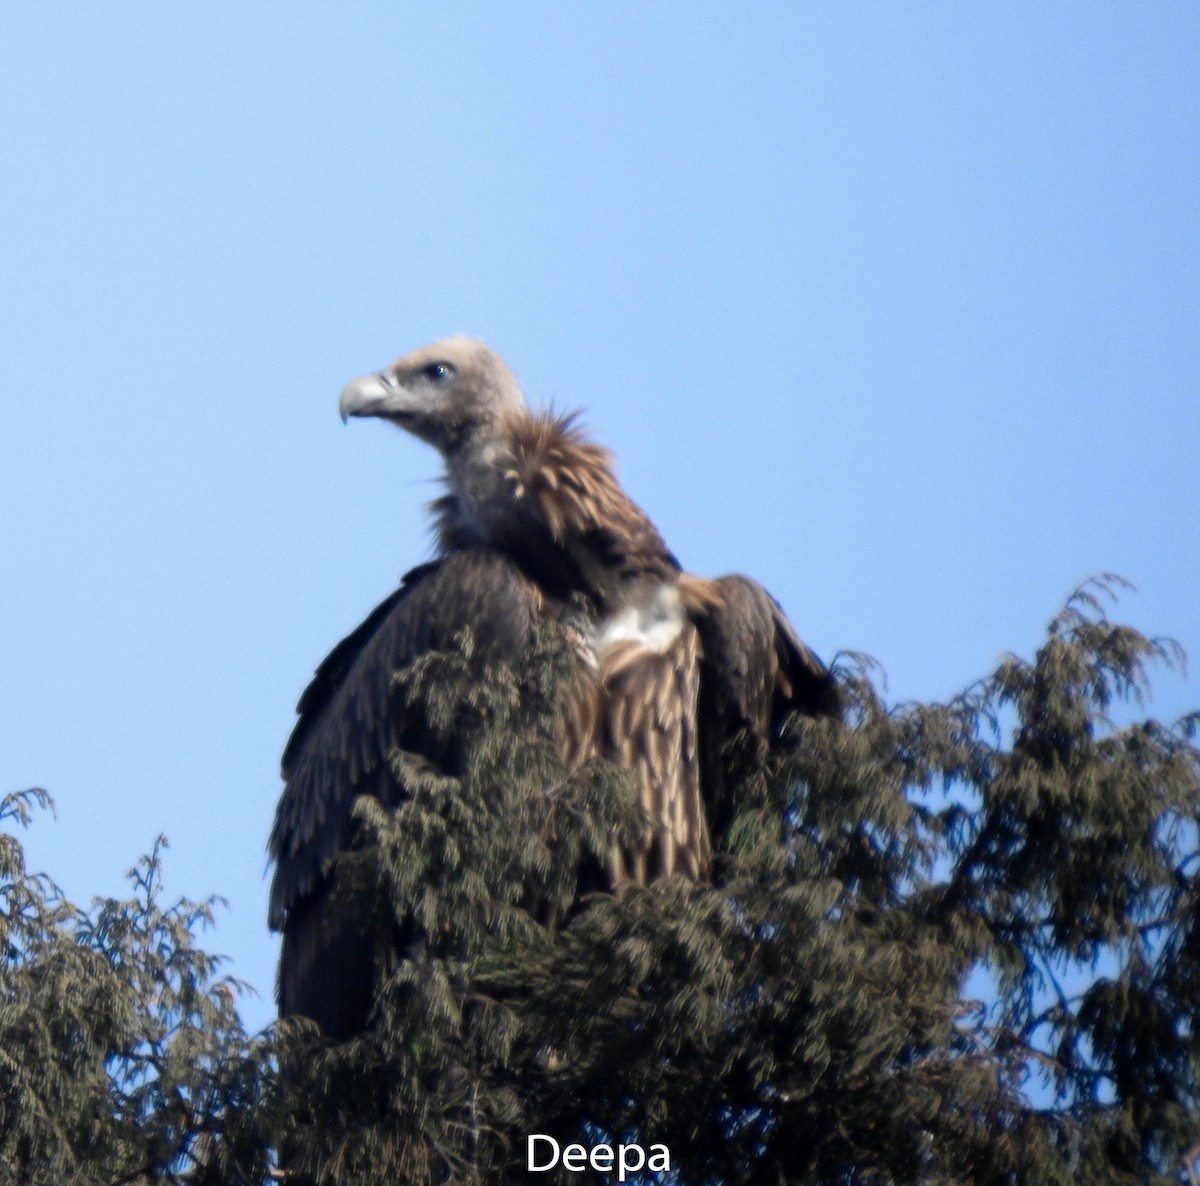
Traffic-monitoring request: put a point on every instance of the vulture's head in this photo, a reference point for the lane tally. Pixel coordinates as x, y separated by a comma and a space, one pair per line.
451, 393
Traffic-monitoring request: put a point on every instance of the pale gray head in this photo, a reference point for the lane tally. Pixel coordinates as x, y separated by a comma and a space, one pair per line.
453, 393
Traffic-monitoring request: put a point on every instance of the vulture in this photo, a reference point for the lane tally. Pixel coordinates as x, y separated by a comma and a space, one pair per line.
533, 526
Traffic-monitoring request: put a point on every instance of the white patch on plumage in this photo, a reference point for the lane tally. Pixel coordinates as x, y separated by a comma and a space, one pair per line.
654, 620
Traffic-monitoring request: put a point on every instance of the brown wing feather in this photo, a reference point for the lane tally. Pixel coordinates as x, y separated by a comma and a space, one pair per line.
754, 672
755, 665
348, 724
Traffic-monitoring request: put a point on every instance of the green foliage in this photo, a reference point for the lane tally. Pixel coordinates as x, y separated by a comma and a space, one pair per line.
122, 1058
948, 943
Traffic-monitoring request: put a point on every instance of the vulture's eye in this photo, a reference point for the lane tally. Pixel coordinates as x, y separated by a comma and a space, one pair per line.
438, 372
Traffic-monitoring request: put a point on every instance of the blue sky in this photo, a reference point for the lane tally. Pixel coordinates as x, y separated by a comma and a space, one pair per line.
894, 307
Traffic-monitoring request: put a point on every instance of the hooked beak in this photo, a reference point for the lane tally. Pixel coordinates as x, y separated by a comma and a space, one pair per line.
368, 395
